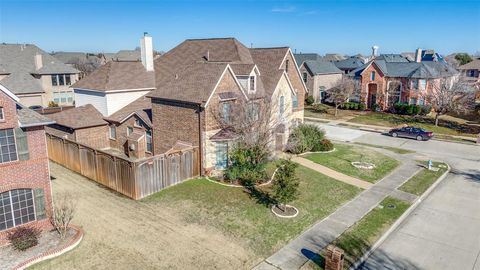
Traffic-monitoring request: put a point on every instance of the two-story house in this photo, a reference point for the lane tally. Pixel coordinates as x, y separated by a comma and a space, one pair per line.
470, 72
392, 78
25, 193
319, 76
36, 77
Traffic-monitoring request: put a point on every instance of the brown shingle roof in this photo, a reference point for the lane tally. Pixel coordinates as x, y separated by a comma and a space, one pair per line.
118, 75
79, 117
268, 61
194, 84
475, 64
141, 107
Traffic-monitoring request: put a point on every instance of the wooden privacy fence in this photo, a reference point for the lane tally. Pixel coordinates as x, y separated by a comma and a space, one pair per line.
135, 179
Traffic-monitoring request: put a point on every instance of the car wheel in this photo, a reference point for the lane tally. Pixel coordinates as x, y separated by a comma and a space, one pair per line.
394, 134
419, 138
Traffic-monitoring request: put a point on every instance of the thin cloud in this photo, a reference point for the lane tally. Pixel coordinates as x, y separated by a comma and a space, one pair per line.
310, 12
284, 9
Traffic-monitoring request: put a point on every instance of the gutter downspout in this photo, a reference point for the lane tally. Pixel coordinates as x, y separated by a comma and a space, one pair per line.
200, 148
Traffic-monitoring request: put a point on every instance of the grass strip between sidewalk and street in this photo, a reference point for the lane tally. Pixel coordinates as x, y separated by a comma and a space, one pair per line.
359, 238
423, 179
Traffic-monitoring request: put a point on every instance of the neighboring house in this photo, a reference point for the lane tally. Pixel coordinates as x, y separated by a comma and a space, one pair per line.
35, 76
199, 75
349, 64
390, 79
83, 124
25, 192
470, 72
319, 76
423, 56
302, 57
332, 57
118, 83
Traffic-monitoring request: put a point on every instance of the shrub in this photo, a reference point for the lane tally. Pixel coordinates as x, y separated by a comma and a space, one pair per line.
361, 106
285, 184
23, 238
309, 100
324, 146
305, 138
425, 109
245, 167
352, 106
320, 108
52, 104
63, 212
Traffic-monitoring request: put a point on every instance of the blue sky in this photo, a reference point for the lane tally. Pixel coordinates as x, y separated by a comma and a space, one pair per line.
343, 26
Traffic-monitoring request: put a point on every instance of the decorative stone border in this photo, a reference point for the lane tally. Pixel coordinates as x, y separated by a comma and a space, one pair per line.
282, 216
240, 186
318, 152
363, 165
54, 252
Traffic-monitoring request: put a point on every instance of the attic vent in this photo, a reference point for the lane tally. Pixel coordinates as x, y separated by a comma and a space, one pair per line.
207, 55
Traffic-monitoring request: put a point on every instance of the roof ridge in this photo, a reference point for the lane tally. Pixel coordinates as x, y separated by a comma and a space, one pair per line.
266, 48
219, 38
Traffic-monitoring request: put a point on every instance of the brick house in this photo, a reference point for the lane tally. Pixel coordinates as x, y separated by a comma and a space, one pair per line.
470, 74
319, 76
220, 73
389, 79
25, 192
35, 76
83, 124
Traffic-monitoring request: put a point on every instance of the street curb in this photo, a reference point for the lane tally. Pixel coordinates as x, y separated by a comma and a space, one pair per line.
400, 219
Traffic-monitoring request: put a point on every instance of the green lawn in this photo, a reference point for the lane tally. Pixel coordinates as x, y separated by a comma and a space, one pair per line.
394, 120
389, 148
247, 217
340, 160
422, 180
360, 237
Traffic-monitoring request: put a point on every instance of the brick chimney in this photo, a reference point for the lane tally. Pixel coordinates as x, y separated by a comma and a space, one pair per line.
146, 46
418, 55
38, 61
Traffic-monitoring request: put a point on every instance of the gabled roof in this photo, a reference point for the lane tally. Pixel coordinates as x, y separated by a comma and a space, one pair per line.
142, 107
118, 75
422, 70
393, 58
321, 67
349, 63
475, 64
268, 61
79, 117
18, 60
334, 57
302, 57
127, 55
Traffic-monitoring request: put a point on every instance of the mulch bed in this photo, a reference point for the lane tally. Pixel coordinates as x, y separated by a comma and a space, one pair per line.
289, 211
9, 257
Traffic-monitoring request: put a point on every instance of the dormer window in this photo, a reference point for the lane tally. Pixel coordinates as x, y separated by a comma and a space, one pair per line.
2, 115
252, 87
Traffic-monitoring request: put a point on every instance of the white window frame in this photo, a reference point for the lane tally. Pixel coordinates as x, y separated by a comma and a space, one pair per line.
146, 141
250, 90
2, 114
114, 128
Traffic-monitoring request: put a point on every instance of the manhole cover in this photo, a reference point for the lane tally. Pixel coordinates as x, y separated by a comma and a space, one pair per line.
391, 206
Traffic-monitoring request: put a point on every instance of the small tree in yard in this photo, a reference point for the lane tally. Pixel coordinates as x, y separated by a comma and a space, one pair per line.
341, 92
64, 210
285, 185
450, 96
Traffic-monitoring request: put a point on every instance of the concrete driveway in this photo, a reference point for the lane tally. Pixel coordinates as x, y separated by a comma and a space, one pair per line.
444, 231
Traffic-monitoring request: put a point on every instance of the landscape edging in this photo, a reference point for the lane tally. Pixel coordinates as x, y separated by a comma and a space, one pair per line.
53, 252
397, 223
240, 186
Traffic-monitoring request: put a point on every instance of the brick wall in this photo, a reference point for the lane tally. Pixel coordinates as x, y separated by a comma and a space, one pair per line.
310, 80
96, 137
32, 174
379, 81
120, 142
296, 81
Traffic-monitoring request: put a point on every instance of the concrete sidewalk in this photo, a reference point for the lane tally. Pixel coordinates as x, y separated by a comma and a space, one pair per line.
332, 173
296, 253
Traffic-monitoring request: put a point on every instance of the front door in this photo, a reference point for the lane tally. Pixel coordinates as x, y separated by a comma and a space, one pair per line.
221, 153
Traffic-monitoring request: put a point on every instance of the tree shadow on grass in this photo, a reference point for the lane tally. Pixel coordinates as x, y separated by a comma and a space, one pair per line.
260, 196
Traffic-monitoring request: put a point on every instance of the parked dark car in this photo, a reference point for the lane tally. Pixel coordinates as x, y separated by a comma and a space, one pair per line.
411, 132
35, 107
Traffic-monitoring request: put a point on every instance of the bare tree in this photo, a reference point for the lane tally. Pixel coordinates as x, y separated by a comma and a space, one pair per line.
340, 93
450, 95
252, 123
85, 67
64, 210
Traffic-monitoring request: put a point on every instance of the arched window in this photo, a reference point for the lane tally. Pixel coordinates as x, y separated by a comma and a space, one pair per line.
16, 208
294, 101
